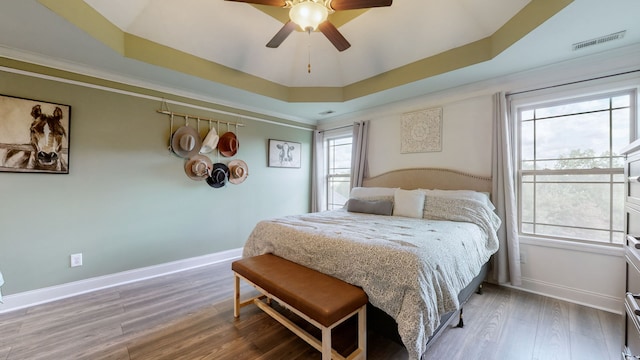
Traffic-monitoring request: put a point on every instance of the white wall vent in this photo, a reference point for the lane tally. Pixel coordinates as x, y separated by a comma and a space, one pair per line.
600, 40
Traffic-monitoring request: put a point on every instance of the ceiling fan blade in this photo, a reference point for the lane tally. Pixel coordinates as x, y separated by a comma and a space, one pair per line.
282, 34
263, 2
358, 4
330, 31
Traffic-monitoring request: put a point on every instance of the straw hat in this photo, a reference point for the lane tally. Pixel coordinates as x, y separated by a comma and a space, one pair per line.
228, 144
219, 175
185, 142
198, 167
210, 142
238, 171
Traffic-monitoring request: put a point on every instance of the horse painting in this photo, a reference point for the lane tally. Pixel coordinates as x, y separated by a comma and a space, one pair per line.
47, 148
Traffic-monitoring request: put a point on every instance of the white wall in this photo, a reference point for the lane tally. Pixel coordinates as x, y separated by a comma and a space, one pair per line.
466, 140
591, 275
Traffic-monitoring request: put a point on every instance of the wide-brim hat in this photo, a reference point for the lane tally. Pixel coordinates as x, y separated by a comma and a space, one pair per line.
198, 167
210, 142
219, 175
238, 171
228, 144
186, 142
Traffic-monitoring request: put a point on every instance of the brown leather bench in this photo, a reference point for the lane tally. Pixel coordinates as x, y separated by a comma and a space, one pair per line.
320, 299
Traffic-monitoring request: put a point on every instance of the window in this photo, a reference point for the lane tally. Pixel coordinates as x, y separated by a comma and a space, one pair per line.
338, 156
571, 180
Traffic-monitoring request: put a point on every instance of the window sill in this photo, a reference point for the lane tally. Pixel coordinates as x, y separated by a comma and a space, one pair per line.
611, 250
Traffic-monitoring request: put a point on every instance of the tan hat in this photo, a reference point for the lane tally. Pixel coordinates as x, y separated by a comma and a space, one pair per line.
185, 142
228, 144
210, 142
198, 167
238, 171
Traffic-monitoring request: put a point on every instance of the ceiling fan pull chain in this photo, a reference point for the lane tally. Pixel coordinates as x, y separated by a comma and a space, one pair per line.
309, 50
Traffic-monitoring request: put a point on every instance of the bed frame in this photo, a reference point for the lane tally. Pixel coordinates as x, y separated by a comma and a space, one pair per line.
429, 178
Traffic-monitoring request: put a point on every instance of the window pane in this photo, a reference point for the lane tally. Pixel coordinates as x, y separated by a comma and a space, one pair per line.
338, 192
606, 178
577, 234
621, 101
526, 141
527, 202
618, 238
618, 207
572, 136
526, 115
338, 171
620, 130
572, 204
573, 108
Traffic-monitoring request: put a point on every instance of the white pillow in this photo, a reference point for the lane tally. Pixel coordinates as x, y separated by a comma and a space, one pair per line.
408, 203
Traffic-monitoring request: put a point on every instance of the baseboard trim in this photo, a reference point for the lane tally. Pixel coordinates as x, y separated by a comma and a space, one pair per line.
40, 296
577, 296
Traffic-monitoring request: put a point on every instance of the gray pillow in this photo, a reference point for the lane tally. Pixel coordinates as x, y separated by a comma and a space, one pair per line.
376, 207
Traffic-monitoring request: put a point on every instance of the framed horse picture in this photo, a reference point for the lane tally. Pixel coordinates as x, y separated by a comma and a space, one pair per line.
284, 154
34, 136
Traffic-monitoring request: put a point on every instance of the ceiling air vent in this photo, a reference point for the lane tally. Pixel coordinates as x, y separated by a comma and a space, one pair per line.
600, 40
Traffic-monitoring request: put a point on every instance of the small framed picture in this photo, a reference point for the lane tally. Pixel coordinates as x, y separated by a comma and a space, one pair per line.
285, 154
34, 136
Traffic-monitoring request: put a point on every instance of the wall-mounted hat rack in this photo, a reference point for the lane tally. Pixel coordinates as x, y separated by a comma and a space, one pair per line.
164, 109
188, 117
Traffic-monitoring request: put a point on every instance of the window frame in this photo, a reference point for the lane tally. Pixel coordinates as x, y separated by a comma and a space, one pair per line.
563, 95
328, 176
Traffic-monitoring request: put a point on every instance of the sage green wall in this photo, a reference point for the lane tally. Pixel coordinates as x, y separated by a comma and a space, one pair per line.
127, 203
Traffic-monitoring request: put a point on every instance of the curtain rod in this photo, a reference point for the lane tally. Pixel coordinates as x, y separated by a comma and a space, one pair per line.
574, 82
336, 128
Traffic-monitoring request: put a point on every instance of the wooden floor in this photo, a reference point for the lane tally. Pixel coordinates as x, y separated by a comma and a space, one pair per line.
189, 315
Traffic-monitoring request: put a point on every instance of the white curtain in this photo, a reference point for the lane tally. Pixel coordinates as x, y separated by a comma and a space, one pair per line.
359, 166
1, 283
318, 186
506, 262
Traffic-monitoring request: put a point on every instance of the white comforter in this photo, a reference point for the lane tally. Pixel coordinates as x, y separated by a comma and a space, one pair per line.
413, 269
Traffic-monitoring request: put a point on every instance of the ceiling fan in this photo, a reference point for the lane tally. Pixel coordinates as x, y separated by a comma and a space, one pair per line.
310, 15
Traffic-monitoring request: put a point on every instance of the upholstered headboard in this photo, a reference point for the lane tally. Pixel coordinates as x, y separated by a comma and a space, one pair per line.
430, 178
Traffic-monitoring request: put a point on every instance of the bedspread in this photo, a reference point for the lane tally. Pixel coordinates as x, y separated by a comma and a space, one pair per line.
413, 269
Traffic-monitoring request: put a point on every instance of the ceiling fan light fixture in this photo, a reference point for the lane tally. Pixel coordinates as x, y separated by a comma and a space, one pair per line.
308, 14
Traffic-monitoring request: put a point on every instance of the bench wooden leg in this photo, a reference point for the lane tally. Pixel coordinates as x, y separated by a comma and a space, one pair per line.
362, 331
237, 303
236, 296
326, 343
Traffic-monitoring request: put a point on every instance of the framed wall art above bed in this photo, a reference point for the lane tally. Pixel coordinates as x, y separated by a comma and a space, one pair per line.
421, 131
34, 136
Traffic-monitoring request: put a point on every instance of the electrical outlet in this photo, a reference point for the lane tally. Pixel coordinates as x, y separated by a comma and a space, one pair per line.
76, 260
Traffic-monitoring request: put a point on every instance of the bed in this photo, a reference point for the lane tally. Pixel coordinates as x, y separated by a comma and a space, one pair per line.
418, 266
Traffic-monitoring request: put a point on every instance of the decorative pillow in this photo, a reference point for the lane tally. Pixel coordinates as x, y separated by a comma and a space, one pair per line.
408, 203
372, 193
463, 194
376, 207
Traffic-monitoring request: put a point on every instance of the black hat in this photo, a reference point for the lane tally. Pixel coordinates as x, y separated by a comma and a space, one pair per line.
219, 175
